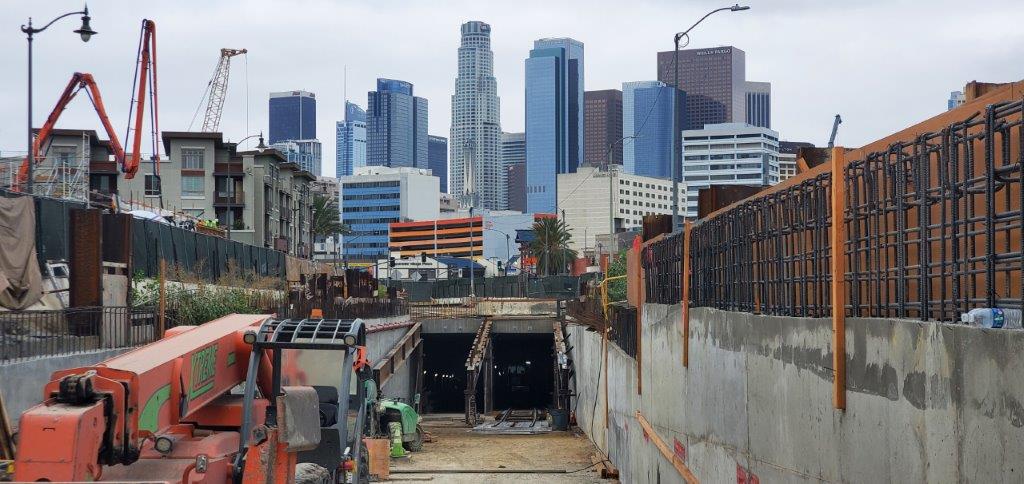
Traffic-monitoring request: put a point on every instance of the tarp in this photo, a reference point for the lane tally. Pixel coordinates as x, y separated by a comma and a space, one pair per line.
21, 283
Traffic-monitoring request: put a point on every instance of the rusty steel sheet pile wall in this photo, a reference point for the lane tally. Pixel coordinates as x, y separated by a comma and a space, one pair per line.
932, 227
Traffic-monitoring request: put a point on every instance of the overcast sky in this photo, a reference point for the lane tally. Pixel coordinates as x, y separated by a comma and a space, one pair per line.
882, 64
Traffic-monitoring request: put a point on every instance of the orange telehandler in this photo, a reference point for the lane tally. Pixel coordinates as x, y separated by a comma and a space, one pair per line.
205, 404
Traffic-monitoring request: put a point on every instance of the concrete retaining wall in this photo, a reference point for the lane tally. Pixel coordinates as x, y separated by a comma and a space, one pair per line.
925, 402
22, 382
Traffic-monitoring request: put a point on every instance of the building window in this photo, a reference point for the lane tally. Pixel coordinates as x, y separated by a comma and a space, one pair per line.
152, 186
192, 158
192, 186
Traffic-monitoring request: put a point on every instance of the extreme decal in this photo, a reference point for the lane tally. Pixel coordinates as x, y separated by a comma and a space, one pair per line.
204, 365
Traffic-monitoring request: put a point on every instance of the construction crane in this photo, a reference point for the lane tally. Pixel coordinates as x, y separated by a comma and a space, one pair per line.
166, 411
145, 75
835, 128
217, 89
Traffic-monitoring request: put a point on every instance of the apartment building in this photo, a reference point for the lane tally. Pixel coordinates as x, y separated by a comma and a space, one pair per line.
258, 197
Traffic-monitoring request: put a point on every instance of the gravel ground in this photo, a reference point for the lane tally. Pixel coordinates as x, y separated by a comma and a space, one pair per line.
456, 448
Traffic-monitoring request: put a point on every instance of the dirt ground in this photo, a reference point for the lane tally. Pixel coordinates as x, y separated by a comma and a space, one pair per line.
455, 447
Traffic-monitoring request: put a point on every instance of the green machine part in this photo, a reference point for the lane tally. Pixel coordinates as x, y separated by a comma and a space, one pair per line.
410, 419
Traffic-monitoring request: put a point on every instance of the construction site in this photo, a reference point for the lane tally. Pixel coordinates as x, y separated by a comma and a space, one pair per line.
857, 322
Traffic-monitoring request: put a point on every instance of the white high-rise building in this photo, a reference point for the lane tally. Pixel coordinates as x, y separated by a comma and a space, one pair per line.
476, 124
728, 154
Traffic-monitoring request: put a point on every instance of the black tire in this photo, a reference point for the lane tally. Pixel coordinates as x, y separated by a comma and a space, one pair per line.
310, 473
416, 444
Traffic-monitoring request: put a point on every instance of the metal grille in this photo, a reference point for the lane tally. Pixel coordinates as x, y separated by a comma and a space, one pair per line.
28, 334
934, 224
769, 254
933, 228
663, 269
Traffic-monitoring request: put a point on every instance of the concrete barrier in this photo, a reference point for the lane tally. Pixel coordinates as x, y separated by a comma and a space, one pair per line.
22, 382
926, 401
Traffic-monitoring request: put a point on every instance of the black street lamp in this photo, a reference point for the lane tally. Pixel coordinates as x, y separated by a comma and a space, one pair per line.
86, 32
677, 142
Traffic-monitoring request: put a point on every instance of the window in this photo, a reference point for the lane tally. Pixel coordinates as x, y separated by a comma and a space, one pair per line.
192, 159
192, 186
152, 186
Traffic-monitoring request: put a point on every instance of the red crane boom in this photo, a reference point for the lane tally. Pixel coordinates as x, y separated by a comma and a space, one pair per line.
145, 76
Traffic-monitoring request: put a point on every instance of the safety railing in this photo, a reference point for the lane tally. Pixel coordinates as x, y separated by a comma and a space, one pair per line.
30, 334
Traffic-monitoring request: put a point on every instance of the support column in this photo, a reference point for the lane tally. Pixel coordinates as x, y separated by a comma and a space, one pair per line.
838, 287
488, 369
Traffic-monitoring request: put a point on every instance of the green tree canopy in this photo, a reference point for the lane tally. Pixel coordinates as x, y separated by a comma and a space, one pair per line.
551, 246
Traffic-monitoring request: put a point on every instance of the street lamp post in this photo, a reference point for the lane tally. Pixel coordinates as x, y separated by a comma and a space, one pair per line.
677, 159
472, 271
86, 32
611, 189
508, 251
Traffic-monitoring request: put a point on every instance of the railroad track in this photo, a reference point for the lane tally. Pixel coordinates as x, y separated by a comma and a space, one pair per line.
512, 421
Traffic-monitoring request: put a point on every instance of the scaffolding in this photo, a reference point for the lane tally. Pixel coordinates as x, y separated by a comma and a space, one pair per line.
64, 171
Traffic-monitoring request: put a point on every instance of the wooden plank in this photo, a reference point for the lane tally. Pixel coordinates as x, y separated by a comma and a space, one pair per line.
397, 356
838, 239
6, 436
667, 452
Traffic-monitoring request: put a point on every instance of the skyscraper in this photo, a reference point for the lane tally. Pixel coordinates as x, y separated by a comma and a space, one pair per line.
758, 104
292, 116
602, 126
554, 118
437, 159
351, 141
513, 162
628, 126
956, 98
304, 152
654, 122
714, 81
396, 126
475, 162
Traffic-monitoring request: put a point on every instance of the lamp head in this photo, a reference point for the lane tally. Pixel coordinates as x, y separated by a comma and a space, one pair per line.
261, 146
738, 7
85, 30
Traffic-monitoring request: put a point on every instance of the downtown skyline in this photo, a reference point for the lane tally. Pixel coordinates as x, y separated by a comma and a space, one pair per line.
803, 101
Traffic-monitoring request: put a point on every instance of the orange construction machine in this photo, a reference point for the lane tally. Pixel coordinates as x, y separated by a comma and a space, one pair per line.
204, 404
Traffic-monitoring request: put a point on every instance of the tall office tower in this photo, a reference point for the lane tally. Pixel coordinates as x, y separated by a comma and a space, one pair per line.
728, 154
956, 98
655, 126
437, 159
554, 118
396, 126
477, 177
513, 162
713, 80
602, 127
292, 116
351, 141
758, 103
304, 152
628, 126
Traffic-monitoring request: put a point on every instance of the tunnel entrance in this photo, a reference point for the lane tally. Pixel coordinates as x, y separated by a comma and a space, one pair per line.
444, 371
523, 370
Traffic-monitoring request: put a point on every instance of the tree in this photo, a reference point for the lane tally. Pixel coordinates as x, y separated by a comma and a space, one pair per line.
326, 217
551, 246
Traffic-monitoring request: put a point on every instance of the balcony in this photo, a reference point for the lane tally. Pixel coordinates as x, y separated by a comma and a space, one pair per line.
228, 169
229, 199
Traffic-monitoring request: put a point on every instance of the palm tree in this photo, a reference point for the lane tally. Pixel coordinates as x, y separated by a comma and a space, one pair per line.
326, 220
551, 246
